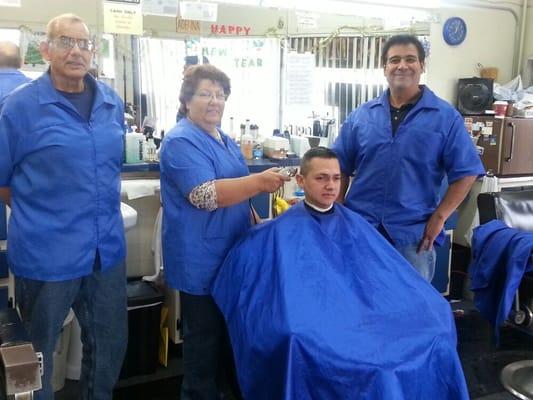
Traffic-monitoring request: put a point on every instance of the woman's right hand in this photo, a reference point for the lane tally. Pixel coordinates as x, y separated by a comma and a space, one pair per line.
270, 180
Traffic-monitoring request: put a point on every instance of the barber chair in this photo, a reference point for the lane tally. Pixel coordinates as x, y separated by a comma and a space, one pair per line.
20, 370
515, 209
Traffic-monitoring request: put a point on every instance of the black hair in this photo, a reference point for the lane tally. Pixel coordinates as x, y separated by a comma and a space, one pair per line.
403, 40
315, 152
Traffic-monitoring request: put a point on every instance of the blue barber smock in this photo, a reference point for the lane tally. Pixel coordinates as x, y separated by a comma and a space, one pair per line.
9, 80
398, 177
195, 241
327, 311
64, 175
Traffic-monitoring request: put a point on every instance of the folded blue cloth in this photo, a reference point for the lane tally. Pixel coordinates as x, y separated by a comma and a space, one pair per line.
501, 257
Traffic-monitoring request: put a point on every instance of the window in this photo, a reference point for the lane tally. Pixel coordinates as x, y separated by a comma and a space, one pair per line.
251, 64
346, 72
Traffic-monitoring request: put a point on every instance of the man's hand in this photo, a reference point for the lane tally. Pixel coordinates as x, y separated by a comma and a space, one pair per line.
431, 231
454, 196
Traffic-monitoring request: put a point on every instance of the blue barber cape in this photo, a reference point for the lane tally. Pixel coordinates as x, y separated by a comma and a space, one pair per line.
320, 306
501, 257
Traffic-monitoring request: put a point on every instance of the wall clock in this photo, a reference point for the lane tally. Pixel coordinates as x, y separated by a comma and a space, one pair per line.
454, 31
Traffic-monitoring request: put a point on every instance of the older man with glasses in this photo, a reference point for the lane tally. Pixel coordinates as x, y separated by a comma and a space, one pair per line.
61, 150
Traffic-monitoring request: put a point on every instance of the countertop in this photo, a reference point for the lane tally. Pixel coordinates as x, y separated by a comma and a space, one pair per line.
256, 165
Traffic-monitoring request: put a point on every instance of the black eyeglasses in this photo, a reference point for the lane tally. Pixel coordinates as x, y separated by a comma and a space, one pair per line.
67, 43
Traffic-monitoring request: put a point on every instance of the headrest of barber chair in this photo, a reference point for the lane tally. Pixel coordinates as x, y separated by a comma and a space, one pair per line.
515, 208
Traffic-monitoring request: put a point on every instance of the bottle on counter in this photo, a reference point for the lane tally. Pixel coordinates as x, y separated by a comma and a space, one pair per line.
247, 144
243, 131
231, 132
150, 152
258, 150
247, 127
255, 132
133, 146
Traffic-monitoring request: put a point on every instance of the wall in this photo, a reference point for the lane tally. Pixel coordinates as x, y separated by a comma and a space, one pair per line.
36, 13
527, 64
490, 41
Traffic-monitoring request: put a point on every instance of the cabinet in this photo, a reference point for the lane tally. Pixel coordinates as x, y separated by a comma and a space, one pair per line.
503, 144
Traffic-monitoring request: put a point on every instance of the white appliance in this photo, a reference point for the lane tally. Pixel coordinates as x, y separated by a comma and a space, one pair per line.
276, 147
300, 144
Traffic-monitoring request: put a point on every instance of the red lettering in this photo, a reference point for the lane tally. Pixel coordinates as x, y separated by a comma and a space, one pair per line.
214, 28
247, 30
222, 29
231, 29
239, 30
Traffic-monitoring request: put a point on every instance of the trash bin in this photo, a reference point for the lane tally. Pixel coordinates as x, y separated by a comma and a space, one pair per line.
144, 315
60, 354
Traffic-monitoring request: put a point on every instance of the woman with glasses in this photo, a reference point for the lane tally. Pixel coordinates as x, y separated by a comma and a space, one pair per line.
205, 187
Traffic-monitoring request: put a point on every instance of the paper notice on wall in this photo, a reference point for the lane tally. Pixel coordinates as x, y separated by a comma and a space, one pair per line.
198, 11
306, 20
165, 8
300, 78
123, 18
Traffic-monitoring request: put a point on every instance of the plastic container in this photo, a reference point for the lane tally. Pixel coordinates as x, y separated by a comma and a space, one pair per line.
258, 151
144, 315
247, 146
60, 354
149, 151
133, 144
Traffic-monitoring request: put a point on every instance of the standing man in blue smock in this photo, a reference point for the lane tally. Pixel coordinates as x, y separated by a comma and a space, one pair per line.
10, 77
10, 63
400, 147
205, 188
61, 149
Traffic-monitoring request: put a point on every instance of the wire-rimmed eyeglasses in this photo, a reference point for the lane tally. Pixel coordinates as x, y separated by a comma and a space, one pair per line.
67, 43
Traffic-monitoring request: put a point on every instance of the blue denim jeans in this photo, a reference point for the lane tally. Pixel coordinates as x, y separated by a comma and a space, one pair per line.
99, 301
423, 262
208, 367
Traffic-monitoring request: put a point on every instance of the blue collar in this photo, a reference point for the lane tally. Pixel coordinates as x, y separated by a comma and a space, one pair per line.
49, 94
428, 100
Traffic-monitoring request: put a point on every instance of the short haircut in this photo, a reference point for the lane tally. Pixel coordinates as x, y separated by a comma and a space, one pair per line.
51, 27
10, 55
192, 78
315, 152
403, 40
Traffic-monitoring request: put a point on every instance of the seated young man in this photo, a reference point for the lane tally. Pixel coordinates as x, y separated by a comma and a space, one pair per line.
320, 306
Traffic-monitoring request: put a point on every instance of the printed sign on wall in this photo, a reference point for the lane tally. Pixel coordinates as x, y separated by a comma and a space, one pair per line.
123, 17
165, 8
199, 11
189, 26
230, 30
